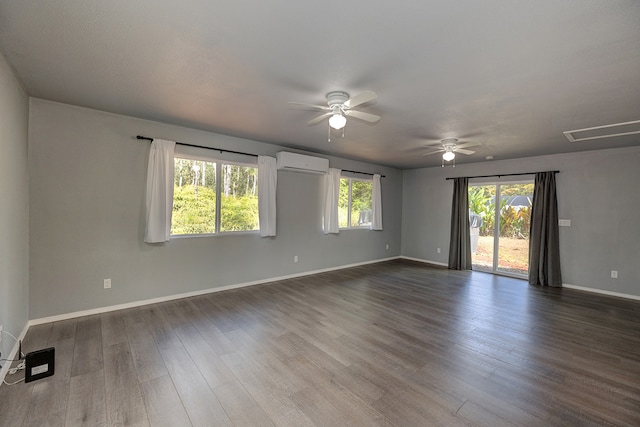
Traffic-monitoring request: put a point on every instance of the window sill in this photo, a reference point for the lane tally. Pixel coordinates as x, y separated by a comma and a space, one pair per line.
224, 233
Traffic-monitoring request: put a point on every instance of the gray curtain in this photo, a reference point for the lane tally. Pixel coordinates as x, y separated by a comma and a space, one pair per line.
544, 242
460, 241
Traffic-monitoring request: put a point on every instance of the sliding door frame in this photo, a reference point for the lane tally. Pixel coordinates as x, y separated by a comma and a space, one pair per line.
496, 229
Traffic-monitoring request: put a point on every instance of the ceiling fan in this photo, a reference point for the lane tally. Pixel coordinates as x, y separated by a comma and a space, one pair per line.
449, 148
340, 106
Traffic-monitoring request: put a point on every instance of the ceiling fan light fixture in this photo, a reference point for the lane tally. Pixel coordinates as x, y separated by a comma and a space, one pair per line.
448, 156
337, 121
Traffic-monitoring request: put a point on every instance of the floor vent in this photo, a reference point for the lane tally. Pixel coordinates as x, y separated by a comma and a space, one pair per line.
606, 131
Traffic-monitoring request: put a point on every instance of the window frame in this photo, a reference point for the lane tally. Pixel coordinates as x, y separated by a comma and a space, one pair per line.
218, 191
350, 202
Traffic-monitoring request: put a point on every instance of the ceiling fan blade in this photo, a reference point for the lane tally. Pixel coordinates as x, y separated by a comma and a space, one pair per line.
427, 144
433, 152
366, 96
319, 118
467, 144
368, 117
304, 105
463, 151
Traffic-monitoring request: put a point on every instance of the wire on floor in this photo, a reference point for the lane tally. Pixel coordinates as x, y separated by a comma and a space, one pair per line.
21, 366
15, 370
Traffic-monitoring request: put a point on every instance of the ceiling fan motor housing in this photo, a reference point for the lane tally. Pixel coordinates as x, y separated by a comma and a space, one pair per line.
337, 97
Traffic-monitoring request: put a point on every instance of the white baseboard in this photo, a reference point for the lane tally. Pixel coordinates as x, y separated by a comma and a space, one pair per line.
100, 310
107, 309
426, 261
12, 355
564, 285
601, 291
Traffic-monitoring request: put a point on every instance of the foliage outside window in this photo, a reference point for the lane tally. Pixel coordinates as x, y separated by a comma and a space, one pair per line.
354, 204
514, 221
214, 197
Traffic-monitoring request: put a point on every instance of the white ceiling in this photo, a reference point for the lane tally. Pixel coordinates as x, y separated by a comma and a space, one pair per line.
512, 75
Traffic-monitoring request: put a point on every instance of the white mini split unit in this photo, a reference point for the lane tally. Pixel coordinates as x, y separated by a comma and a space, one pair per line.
300, 163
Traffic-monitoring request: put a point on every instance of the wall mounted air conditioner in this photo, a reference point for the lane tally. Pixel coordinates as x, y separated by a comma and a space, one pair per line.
301, 163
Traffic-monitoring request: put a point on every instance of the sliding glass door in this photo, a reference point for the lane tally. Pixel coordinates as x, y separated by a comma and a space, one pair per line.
499, 216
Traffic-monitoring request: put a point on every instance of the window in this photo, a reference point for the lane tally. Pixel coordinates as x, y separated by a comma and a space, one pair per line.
354, 204
239, 198
213, 197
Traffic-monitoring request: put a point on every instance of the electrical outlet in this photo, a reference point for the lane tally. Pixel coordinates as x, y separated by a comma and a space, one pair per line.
438, 250
387, 246
295, 258
107, 283
614, 274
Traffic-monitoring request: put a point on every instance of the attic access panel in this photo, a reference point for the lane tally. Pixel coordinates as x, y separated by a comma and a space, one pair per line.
606, 131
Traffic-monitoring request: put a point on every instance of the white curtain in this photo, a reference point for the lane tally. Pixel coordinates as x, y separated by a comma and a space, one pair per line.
267, 183
376, 204
331, 196
159, 191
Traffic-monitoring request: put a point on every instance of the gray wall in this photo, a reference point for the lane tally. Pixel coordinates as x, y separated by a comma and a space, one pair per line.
14, 207
597, 191
87, 186
86, 219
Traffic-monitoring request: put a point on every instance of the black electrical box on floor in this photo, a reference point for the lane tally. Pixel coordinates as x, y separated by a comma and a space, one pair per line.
39, 364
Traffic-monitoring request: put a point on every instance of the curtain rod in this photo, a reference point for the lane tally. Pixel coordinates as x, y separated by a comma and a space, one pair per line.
222, 150
361, 173
500, 176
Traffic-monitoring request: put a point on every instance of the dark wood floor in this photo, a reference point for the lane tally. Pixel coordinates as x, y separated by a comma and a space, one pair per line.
395, 343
